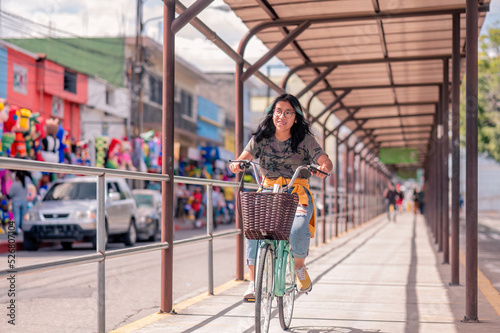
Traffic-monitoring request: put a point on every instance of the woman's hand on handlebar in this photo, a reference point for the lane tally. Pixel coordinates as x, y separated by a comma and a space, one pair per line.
238, 165
324, 168
235, 167
320, 171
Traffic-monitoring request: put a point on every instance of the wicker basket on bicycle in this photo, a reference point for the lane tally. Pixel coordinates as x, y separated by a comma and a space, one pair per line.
268, 215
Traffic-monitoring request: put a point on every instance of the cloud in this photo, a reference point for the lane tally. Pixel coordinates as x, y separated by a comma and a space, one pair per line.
98, 18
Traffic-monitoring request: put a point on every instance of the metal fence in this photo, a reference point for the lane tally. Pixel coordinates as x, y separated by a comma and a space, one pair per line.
329, 225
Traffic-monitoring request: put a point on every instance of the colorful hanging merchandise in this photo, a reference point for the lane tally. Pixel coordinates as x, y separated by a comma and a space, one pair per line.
31, 136
101, 150
39, 134
154, 155
62, 146
13, 139
5, 217
138, 156
4, 115
113, 156
50, 144
82, 153
125, 157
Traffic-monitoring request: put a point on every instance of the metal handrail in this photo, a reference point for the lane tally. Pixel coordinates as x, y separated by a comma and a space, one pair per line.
101, 254
29, 165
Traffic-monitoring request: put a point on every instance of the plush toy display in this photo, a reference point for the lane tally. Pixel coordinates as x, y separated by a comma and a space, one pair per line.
5, 181
21, 125
24, 121
4, 213
137, 154
113, 156
145, 156
9, 135
12, 119
4, 115
38, 133
31, 135
101, 148
125, 158
62, 146
50, 144
154, 153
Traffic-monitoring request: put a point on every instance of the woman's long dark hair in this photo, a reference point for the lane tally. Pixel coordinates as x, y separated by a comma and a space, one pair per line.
299, 129
22, 177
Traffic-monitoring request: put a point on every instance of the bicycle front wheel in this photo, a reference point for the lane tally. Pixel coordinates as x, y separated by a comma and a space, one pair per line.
286, 302
264, 289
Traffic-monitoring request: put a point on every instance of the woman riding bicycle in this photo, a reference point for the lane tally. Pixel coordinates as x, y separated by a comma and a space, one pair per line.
283, 142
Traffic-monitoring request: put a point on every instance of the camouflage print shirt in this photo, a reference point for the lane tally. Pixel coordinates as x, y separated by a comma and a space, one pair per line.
277, 159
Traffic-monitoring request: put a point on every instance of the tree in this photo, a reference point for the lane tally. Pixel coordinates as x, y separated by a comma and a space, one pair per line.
488, 95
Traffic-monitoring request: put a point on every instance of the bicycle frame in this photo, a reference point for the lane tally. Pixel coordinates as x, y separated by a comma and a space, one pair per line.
281, 250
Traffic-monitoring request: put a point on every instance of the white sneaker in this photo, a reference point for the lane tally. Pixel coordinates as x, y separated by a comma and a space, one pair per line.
249, 295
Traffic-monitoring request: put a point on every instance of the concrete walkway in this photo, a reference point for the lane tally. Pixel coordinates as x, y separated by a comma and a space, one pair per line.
381, 277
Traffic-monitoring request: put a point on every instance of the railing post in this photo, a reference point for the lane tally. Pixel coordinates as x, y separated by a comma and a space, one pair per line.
210, 230
336, 202
100, 248
346, 186
352, 162
323, 196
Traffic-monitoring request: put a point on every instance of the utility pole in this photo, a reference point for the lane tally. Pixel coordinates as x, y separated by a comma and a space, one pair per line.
137, 71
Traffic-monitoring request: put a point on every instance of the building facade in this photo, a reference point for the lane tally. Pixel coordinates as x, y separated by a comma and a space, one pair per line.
106, 112
42, 86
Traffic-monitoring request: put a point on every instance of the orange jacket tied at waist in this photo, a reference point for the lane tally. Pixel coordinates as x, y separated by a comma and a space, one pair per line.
300, 186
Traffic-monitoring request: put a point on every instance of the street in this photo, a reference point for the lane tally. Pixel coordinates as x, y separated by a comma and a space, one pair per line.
64, 300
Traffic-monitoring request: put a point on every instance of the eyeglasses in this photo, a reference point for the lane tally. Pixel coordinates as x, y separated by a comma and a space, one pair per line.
279, 113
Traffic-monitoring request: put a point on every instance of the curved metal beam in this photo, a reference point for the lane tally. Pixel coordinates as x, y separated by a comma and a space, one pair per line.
337, 100
276, 48
314, 82
358, 17
360, 62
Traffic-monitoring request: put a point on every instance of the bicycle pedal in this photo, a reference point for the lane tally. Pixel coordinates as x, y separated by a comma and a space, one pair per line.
249, 300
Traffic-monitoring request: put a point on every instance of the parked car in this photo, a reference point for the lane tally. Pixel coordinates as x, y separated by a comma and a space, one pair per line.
148, 214
67, 213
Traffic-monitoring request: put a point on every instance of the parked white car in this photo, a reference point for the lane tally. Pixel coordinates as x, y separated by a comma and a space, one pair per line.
67, 213
148, 213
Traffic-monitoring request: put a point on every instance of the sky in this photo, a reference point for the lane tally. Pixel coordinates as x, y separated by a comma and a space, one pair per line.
98, 18
102, 18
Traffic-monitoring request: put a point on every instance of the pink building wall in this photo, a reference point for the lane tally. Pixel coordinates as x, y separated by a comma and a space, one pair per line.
41, 85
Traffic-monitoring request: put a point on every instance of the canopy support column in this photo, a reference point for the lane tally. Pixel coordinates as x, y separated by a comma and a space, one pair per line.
167, 220
471, 278
444, 164
455, 157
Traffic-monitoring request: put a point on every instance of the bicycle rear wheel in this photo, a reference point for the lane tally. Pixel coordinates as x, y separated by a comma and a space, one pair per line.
264, 289
286, 302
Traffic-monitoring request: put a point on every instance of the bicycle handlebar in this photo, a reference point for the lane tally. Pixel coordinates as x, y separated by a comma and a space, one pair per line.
244, 164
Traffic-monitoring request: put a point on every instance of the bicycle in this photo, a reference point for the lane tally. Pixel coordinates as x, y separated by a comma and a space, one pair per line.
275, 274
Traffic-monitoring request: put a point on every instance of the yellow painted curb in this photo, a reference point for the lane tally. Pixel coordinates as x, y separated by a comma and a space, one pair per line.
486, 287
151, 319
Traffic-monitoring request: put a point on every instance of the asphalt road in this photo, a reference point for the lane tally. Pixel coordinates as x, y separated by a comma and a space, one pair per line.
488, 246
65, 300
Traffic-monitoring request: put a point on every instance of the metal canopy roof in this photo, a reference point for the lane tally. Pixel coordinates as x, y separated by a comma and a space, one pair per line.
384, 57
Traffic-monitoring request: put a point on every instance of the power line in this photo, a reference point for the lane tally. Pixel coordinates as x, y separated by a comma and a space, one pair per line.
24, 20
